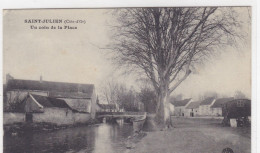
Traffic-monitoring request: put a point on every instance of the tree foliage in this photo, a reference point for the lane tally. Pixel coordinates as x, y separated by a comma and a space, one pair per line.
148, 97
239, 95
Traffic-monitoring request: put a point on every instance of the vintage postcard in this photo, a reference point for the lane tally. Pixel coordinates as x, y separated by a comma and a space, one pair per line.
133, 80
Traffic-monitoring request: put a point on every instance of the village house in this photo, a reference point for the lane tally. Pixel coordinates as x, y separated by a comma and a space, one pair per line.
205, 106
216, 108
179, 107
42, 109
192, 109
79, 97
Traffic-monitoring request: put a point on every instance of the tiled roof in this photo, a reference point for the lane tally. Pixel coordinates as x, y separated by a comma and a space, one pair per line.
221, 101
181, 102
207, 101
81, 105
193, 105
50, 102
73, 95
55, 87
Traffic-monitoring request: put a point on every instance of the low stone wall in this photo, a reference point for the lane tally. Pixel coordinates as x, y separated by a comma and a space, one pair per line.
10, 118
81, 117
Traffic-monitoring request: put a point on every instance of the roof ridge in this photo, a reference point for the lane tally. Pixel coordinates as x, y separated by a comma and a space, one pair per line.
54, 82
51, 86
50, 100
35, 100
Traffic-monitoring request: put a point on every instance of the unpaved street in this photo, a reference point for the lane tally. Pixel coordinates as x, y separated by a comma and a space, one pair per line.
193, 135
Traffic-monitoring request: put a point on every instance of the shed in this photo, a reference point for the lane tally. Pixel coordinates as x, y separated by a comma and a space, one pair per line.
239, 109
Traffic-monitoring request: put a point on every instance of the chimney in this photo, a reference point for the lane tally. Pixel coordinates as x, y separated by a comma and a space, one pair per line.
8, 77
41, 79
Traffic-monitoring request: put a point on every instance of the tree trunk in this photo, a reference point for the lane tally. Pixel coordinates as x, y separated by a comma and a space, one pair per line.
163, 110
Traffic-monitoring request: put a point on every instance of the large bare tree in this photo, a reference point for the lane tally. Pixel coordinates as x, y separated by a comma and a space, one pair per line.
166, 43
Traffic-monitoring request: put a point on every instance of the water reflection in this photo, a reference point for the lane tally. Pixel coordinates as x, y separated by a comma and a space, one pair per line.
93, 139
104, 136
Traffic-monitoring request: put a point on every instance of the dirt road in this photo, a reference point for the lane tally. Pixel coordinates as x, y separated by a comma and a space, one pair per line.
192, 135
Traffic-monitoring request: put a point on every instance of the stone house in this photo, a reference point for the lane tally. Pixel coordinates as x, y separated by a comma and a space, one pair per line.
179, 107
42, 109
216, 108
192, 109
205, 106
80, 97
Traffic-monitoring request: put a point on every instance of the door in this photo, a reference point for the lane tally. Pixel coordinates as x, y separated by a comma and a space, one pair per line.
28, 117
191, 114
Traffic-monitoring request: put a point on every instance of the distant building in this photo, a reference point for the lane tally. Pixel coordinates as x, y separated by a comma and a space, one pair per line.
179, 107
108, 107
80, 97
192, 109
216, 108
205, 106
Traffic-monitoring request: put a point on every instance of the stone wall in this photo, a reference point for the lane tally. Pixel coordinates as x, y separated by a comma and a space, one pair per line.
10, 118
216, 111
61, 116
204, 110
179, 111
196, 112
54, 115
188, 112
81, 117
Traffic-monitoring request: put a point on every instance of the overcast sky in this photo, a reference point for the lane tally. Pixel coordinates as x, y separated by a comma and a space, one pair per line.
77, 55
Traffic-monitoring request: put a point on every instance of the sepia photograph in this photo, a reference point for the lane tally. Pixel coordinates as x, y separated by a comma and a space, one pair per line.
127, 80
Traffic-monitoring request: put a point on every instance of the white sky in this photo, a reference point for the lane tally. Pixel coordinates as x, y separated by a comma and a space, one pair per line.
75, 55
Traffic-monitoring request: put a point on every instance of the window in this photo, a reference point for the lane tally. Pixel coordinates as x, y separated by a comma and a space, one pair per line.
240, 104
